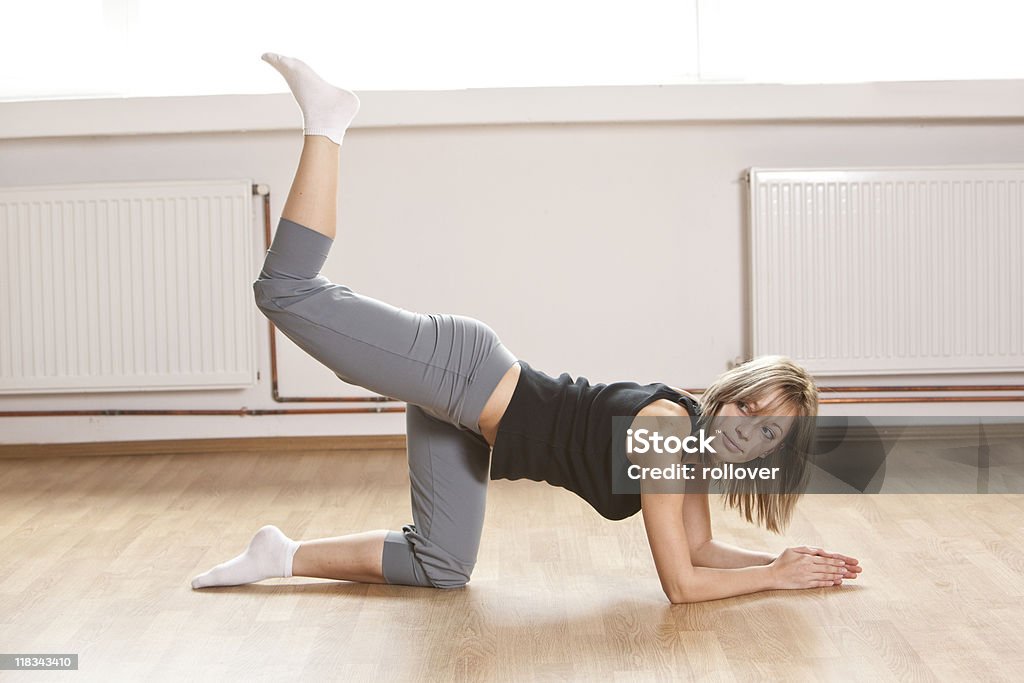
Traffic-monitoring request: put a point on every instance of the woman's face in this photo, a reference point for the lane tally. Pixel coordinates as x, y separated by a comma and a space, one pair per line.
742, 434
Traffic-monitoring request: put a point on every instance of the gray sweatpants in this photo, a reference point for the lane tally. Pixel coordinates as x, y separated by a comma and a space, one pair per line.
444, 366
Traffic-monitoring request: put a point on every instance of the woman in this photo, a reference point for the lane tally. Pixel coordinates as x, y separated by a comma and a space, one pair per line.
467, 394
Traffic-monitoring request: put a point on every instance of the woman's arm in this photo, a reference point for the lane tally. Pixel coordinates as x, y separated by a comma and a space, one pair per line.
706, 551
679, 526
684, 582
680, 579
718, 554
679, 529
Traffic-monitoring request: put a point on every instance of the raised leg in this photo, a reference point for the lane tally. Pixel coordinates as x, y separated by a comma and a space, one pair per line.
313, 198
448, 364
327, 112
444, 366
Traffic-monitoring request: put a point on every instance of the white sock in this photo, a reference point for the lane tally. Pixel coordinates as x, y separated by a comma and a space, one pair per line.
326, 110
268, 556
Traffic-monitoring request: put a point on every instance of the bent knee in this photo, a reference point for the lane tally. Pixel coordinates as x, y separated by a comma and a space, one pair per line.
264, 291
450, 578
278, 293
443, 570
409, 559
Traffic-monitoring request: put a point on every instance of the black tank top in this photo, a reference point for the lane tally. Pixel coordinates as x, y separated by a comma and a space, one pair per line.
559, 430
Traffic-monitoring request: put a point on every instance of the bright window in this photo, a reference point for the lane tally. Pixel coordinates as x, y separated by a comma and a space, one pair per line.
199, 47
827, 41
104, 48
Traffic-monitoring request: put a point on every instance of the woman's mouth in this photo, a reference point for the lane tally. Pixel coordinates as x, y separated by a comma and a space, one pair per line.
730, 444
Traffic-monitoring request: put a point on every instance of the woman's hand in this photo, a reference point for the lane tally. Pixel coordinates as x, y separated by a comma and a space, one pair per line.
852, 566
805, 567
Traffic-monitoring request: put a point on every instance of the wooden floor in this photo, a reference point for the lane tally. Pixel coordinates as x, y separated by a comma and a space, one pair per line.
97, 554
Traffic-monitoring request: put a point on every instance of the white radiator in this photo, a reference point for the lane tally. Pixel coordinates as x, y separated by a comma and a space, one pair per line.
889, 270
126, 287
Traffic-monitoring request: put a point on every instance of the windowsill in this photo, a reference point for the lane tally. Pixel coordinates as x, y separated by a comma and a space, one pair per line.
930, 100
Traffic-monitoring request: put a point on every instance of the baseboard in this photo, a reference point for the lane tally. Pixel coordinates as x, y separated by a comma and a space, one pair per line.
208, 446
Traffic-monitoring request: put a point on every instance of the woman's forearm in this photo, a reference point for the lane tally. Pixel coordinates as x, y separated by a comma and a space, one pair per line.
706, 583
724, 556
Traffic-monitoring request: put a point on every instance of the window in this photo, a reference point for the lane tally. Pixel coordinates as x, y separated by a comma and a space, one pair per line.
198, 47
828, 41
112, 48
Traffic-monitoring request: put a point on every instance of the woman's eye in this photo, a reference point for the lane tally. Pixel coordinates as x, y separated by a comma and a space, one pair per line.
768, 433
742, 406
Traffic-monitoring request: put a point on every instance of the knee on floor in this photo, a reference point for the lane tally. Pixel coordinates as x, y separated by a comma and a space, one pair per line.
449, 578
443, 570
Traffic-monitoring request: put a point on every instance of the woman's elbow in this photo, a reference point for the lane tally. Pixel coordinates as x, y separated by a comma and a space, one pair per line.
677, 596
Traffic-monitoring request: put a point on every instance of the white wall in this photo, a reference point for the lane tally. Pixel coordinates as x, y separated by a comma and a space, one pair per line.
566, 225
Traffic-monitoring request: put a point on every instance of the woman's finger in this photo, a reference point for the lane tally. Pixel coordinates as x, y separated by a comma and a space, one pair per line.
828, 570
826, 553
848, 560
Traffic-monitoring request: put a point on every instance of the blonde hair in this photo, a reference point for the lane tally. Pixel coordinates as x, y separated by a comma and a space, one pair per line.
772, 502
